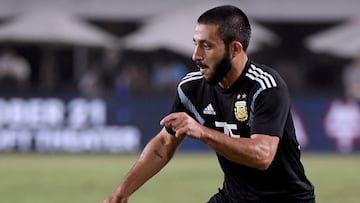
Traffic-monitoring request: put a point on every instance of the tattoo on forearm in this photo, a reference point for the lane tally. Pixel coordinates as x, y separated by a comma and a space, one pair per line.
158, 154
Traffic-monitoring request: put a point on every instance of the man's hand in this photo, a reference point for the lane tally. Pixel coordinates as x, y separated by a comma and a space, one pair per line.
115, 199
183, 125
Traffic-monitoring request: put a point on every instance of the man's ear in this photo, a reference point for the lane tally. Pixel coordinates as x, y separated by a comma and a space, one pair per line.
236, 48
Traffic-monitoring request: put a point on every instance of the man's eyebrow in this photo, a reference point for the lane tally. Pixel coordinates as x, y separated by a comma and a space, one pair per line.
201, 41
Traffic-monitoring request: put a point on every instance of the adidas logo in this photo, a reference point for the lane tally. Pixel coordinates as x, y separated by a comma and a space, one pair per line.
209, 110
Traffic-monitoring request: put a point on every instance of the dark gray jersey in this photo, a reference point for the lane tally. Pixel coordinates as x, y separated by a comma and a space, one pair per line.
257, 103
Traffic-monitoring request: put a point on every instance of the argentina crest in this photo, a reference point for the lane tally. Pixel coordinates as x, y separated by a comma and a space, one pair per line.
240, 108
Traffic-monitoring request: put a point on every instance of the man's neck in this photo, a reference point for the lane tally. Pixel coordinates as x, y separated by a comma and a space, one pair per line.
234, 73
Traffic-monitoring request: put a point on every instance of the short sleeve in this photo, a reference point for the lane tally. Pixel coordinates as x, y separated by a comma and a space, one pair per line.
271, 109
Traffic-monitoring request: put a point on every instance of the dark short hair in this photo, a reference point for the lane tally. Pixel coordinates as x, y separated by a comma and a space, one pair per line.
233, 24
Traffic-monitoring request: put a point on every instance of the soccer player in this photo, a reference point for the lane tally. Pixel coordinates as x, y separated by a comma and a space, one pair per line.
238, 108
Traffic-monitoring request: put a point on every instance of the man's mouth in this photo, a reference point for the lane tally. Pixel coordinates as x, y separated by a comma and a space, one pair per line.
201, 66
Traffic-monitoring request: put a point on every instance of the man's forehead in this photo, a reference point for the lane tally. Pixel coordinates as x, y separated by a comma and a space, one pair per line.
206, 32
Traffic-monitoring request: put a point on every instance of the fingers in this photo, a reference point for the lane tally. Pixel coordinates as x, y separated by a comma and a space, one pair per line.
182, 125
112, 200
166, 121
171, 120
175, 121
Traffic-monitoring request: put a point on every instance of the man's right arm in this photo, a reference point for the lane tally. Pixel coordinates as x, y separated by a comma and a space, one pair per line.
154, 157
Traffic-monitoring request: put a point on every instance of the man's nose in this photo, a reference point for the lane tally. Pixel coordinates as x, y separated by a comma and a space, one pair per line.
197, 55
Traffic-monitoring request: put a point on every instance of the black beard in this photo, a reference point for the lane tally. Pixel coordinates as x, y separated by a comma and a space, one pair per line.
221, 69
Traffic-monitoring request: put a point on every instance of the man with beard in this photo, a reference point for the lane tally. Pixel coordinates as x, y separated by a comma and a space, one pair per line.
239, 109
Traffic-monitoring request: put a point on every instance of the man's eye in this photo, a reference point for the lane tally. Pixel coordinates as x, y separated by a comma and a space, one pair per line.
206, 45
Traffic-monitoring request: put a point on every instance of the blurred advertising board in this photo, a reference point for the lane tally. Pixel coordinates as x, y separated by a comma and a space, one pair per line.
59, 125
126, 124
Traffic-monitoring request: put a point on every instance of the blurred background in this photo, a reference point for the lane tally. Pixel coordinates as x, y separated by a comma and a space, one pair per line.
84, 84
98, 75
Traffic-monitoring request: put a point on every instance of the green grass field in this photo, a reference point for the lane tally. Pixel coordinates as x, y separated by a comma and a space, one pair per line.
190, 178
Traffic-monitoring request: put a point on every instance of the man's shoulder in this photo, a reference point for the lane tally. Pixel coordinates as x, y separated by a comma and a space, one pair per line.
192, 79
264, 75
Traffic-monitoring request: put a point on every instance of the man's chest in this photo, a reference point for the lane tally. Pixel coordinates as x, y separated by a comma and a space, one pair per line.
226, 112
